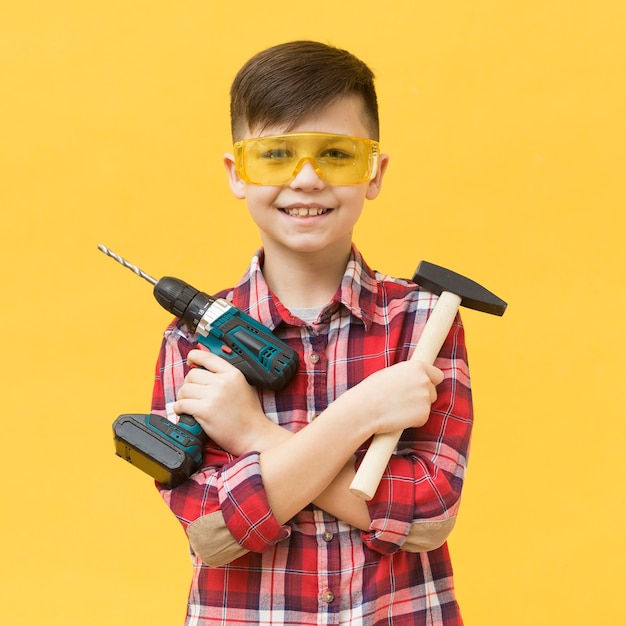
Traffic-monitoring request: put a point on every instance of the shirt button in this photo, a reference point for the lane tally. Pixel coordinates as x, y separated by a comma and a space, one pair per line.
327, 536
314, 358
328, 596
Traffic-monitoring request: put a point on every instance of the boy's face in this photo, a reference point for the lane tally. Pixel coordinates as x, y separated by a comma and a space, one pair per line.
307, 214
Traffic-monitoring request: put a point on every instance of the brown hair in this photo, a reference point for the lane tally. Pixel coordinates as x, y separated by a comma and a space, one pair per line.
286, 83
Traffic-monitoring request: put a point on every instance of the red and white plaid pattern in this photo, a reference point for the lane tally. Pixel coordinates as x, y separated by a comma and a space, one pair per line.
316, 569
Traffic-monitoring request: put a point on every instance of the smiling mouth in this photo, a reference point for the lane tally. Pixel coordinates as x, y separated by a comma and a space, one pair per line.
305, 212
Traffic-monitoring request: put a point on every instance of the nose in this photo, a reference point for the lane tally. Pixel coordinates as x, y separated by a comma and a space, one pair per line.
307, 175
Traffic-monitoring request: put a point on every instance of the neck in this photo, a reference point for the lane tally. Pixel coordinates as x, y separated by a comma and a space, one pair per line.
304, 280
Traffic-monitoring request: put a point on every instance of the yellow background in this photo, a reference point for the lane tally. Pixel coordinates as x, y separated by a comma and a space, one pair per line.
505, 126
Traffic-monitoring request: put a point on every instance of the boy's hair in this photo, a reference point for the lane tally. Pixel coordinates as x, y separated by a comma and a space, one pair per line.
286, 83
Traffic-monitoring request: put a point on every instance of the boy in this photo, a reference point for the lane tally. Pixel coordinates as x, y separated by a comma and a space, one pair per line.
276, 535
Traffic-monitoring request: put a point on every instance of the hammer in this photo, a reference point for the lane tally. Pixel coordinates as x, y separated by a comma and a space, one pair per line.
453, 290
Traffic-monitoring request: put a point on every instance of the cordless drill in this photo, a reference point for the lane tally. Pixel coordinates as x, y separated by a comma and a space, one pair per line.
170, 452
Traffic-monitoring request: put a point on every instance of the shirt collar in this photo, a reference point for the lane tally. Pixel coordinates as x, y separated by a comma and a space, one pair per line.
357, 292
359, 288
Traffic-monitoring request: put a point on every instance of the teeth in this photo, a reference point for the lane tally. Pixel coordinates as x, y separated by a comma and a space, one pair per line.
305, 212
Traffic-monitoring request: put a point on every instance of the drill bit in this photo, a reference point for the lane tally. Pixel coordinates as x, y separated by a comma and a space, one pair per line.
125, 263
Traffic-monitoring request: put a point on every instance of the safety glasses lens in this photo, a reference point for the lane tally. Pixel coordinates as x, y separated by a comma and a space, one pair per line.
277, 159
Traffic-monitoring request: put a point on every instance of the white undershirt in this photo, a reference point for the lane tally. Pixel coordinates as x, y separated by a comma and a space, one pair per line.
308, 314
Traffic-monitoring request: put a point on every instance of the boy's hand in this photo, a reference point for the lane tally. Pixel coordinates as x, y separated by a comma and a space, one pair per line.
399, 396
223, 403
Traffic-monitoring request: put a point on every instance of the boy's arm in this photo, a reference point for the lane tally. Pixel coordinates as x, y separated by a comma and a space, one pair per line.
416, 504
314, 465
241, 504
201, 502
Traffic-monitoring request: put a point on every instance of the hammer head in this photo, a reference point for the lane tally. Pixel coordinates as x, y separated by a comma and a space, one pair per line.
437, 279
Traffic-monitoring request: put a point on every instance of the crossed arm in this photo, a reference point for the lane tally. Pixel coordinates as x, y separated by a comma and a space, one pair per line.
261, 475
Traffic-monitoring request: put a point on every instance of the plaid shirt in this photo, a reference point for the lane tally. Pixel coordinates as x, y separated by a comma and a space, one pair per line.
317, 569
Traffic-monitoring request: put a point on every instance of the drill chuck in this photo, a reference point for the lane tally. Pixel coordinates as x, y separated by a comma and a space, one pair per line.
182, 300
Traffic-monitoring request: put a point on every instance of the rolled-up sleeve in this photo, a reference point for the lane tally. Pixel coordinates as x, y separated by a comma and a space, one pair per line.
225, 511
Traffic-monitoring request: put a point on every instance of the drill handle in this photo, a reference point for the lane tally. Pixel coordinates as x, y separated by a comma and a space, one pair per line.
189, 423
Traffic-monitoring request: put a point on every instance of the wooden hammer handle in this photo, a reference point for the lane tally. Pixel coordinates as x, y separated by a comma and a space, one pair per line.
438, 325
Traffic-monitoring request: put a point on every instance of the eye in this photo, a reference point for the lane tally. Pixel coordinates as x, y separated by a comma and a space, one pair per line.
276, 154
336, 154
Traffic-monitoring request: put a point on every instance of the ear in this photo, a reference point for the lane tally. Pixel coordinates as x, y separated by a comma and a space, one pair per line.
374, 186
237, 186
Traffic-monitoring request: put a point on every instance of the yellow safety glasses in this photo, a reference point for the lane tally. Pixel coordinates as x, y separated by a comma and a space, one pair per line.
277, 159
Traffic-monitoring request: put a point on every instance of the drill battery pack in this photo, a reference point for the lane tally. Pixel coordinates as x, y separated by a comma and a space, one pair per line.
167, 452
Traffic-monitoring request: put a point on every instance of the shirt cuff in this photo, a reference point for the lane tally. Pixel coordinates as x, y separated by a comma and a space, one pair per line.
244, 505
391, 508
